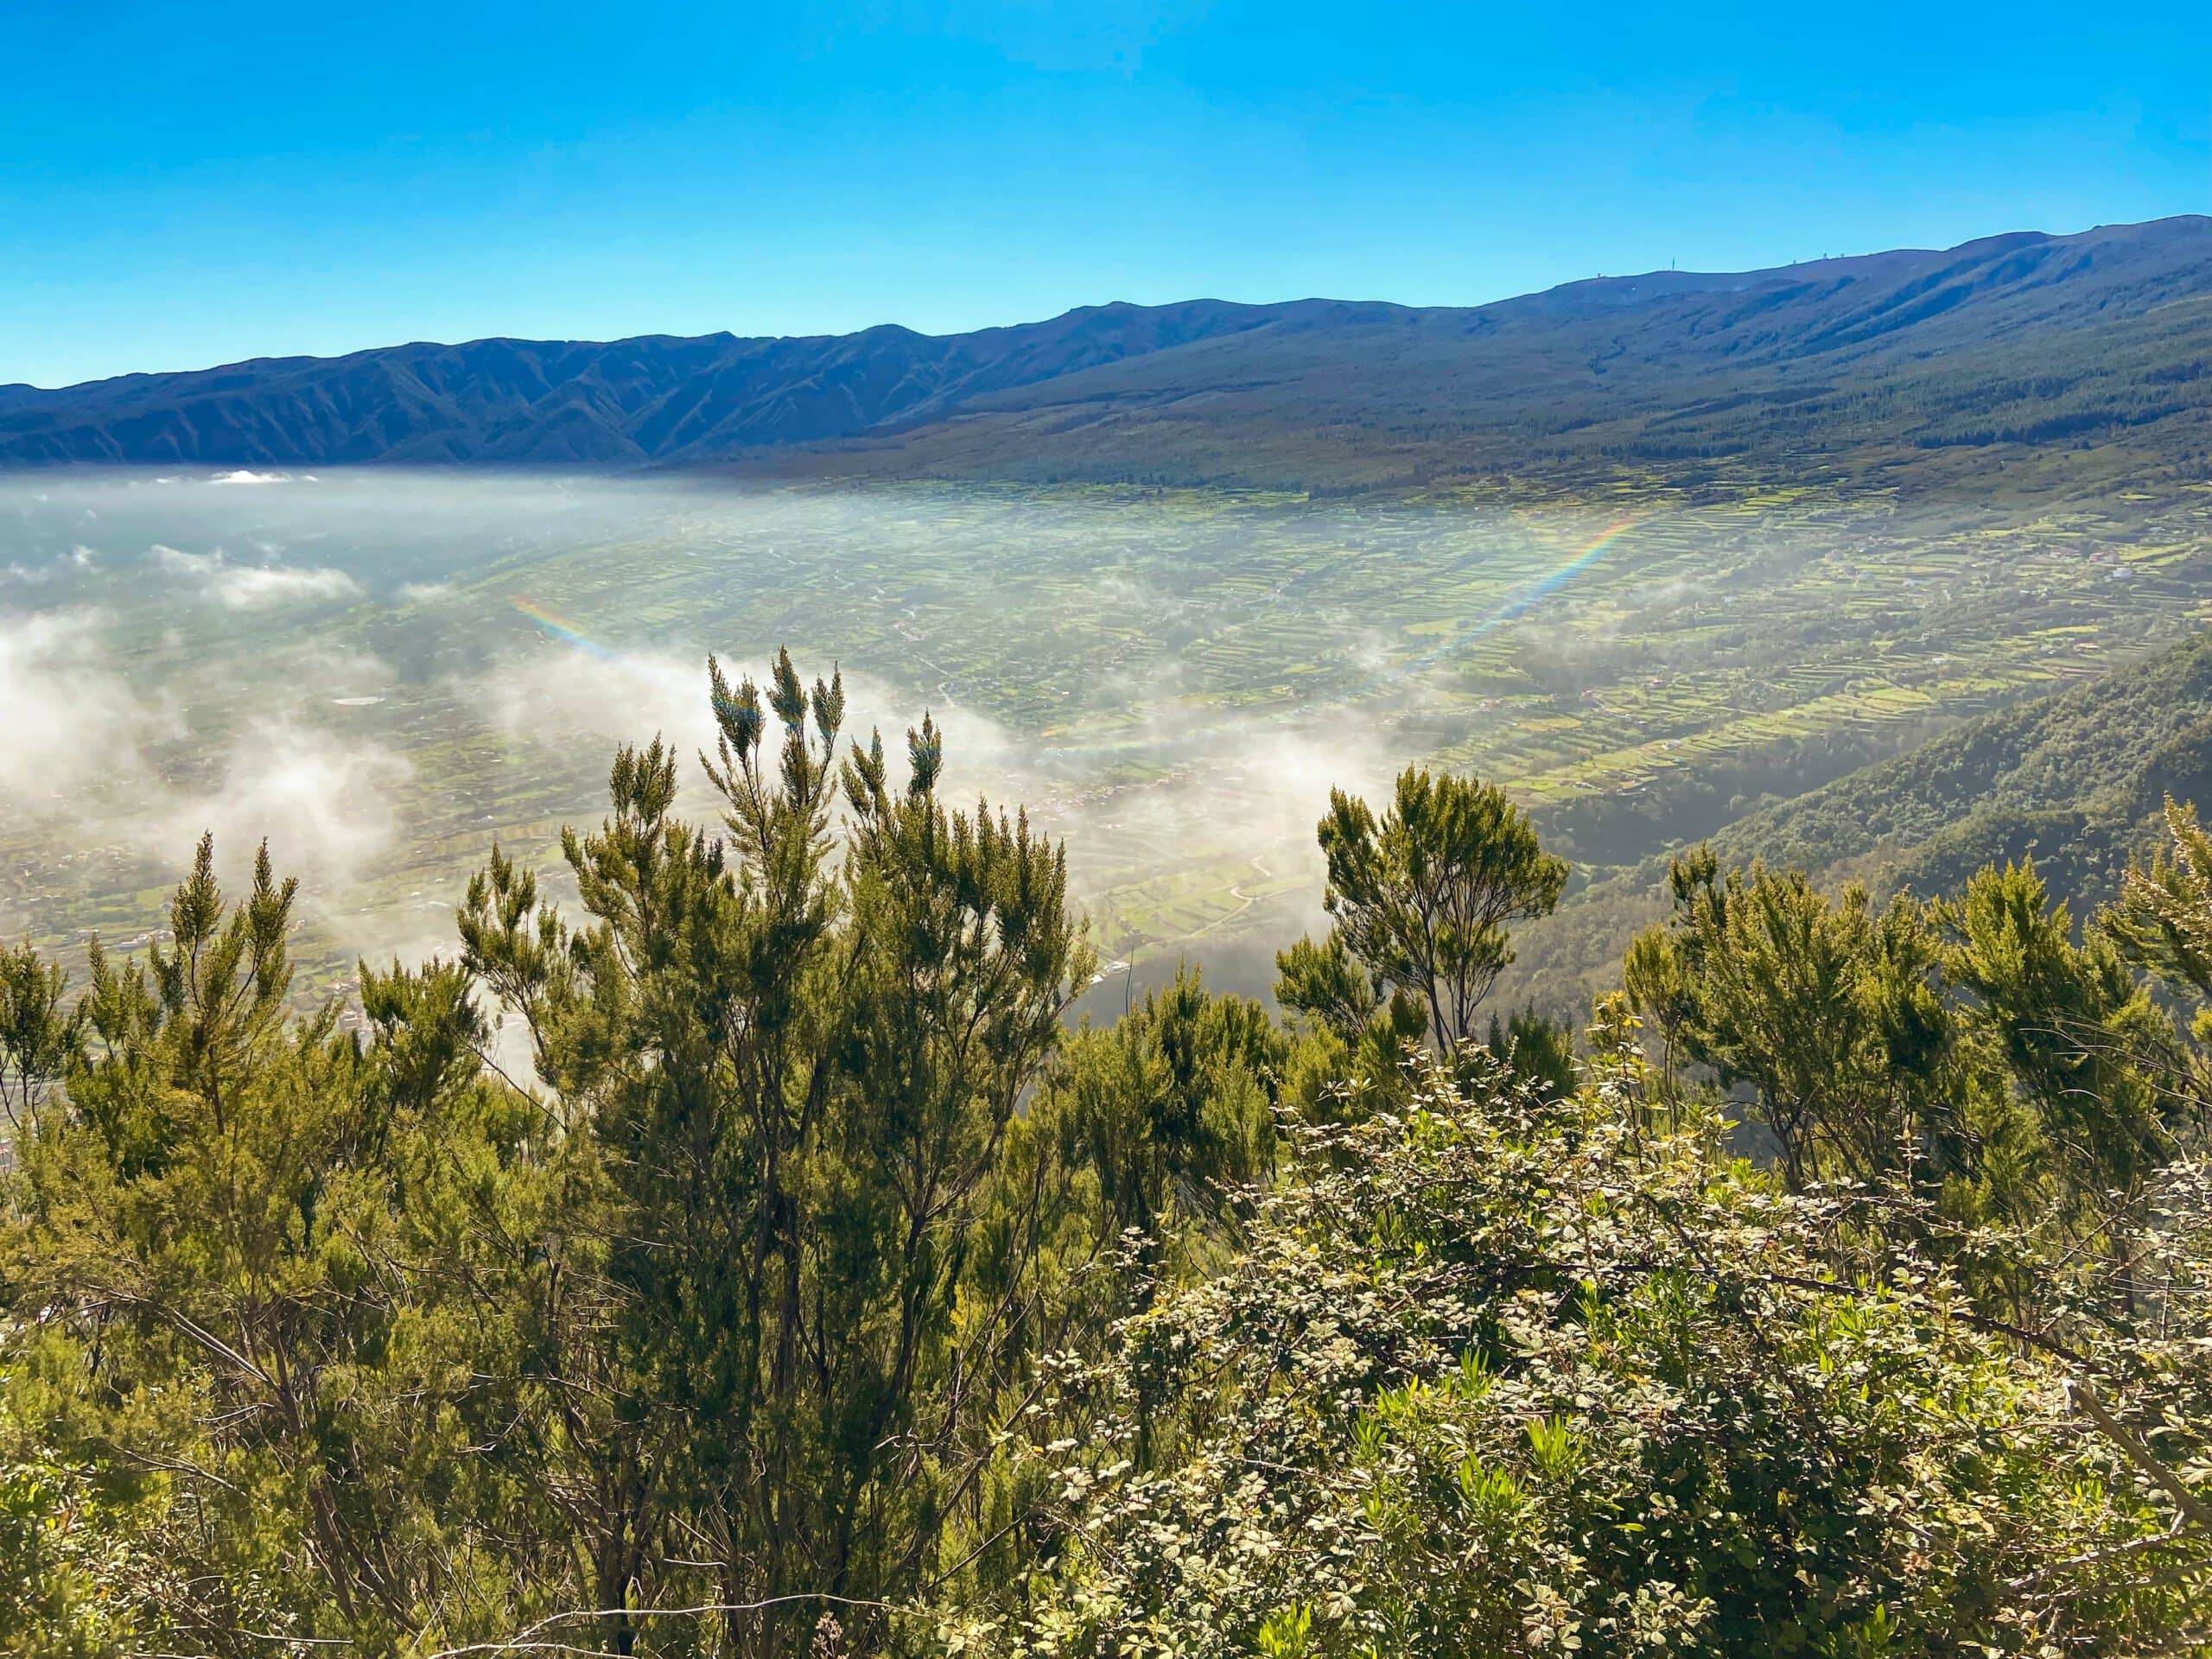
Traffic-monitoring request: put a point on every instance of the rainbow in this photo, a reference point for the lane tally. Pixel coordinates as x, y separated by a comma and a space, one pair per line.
1523, 599
1517, 605
1543, 586
559, 627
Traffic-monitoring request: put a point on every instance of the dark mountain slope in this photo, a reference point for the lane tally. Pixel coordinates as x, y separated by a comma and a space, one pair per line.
2076, 781
1866, 366
650, 398
1906, 362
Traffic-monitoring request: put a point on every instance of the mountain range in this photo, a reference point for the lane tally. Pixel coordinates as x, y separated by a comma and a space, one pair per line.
1910, 363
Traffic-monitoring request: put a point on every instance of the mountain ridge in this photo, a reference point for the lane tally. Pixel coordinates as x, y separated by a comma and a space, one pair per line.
1664, 366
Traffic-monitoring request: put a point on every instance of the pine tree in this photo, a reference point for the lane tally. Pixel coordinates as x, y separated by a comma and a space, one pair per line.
1423, 899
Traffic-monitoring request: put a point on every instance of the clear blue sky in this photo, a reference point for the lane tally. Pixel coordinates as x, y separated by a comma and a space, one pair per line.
183, 184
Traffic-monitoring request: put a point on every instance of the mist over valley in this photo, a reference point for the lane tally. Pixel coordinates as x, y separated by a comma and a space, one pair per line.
384, 671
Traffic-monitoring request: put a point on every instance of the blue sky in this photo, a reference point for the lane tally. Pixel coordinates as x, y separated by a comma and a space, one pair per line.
187, 184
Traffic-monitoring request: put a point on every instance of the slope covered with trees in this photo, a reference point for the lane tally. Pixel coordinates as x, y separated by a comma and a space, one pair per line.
2076, 781
564, 402
2064, 359
815, 1289
1909, 369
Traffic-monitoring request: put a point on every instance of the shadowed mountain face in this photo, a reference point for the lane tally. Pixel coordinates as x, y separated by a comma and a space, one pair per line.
2076, 781
1892, 358
550, 402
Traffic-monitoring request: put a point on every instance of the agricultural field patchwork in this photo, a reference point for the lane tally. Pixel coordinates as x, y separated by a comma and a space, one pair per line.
384, 673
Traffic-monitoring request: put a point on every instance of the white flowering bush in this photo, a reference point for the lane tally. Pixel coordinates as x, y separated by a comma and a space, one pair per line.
1516, 1374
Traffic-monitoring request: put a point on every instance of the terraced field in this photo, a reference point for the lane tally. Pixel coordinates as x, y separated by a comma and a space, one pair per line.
384, 671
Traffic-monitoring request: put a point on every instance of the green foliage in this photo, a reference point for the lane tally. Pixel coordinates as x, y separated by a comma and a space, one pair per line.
1516, 1373
2163, 916
1970, 1049
1171, 1108
818, 1289
1538, 1050
83, 1571
1357, 1029
1324, 983
1824, 1009
250, 1246
1422, 900
39, 1035
2078, 1033
798, 1076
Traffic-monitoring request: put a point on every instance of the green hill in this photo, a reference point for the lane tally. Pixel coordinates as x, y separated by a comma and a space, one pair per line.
2067, 363
2076, 781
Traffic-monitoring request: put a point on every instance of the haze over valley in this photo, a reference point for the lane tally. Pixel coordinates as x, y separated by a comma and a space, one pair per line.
1647, 550
383, 669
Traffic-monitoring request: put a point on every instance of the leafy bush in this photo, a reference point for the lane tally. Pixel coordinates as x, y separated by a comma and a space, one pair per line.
1517, 1373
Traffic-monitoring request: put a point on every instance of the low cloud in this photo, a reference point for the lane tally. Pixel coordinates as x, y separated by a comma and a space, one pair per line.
978, 750
325, 804
79, 558
556, 694
319, 667
253, 587
73, 722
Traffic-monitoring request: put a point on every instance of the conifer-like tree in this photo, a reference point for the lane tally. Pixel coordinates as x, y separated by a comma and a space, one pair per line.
1423, 899
39, 1033
820, 1290
799, 1069
1826, 1008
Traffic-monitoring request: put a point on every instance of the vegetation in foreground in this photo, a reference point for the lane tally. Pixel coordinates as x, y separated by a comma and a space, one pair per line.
1842, 1291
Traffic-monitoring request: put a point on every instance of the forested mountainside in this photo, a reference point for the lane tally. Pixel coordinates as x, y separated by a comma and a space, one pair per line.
565, 402
2064, 363
1904, 368
2076, 781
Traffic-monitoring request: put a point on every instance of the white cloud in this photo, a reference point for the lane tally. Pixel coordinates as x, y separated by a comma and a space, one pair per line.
427, 593
242, 476
77, 558
253, 587
81, 747
556, 694
978, 750
325, 666
325, 804
73, 720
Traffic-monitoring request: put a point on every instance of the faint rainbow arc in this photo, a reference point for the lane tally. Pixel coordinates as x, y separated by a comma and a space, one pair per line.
1520, 600
1546, 585
559, 627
